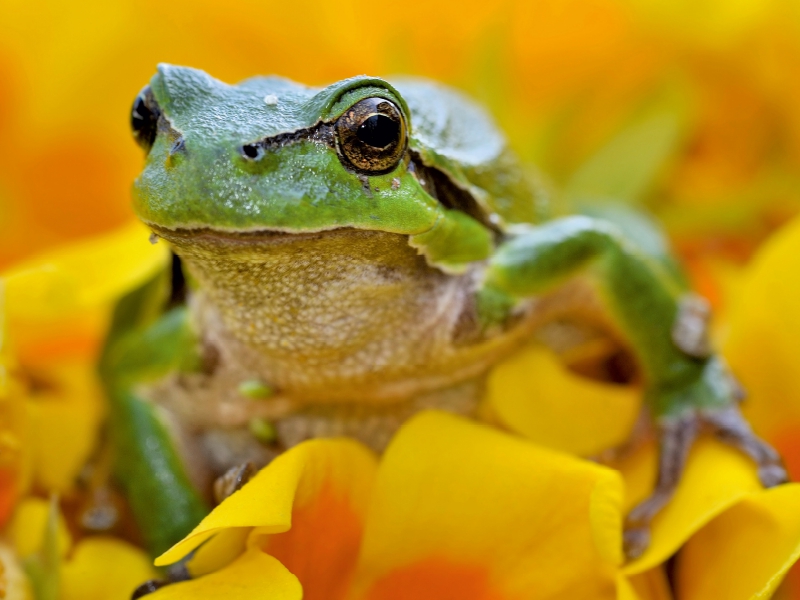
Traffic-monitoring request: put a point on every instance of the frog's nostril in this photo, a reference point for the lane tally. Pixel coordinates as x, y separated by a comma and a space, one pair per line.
144, 118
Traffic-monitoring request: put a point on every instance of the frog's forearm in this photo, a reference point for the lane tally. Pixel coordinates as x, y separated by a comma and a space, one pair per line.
164, 502
640, 294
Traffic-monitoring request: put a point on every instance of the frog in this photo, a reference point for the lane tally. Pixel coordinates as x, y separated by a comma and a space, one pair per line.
350, 255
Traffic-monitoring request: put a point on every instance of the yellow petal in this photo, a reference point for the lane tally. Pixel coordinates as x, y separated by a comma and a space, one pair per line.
16, 455
322, 546
27, 527
625, 590
253, 576
61, 300
650, 585
294, 480
83, 274
218, 552
716, 477
745, 552
534, 395
465, 511
104, 568
65, 417
763, 332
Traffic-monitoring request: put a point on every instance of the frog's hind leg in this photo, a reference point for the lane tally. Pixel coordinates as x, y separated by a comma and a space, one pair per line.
688, 389
676, 437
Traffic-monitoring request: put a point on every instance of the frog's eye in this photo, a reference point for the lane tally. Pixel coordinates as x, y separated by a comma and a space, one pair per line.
371, 136
144, 118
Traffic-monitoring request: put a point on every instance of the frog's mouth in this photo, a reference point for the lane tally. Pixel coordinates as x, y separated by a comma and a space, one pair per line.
209, 236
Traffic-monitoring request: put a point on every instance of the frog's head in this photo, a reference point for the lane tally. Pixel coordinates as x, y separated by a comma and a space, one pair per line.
306, 215
270, 156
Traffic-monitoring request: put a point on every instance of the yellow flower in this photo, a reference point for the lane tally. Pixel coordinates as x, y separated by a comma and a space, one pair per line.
455, 510
57, 308
719, 503
96, 568
452, 510
762, 346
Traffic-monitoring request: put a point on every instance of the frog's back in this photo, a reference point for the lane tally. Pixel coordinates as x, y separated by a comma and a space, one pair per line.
454, 134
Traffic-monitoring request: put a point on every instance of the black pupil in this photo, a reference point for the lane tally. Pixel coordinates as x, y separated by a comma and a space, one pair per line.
141, 115
379, 131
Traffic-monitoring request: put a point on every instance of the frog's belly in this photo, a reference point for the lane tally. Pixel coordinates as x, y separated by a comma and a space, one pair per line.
216, 419
345, 315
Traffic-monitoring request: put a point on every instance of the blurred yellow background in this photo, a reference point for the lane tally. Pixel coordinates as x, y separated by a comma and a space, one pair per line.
688, 108
712, 87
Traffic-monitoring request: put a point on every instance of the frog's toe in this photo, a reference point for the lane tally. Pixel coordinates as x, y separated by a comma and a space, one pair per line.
772, 475
730, 426
676, 436
233, 480
635, 541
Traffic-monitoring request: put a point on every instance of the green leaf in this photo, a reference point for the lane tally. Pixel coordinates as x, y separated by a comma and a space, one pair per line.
627, 166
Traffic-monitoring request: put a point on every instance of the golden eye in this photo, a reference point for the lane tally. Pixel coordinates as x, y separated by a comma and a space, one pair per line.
371, 136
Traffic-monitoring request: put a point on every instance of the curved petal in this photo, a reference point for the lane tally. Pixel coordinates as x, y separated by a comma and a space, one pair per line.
764, 327
28, 527
650, 585
252, 576
319, 489
534, 395
745, 552
84, 273
479, 514
16, 455
65, 418
221, 550
716, 478
104, 568
60, 300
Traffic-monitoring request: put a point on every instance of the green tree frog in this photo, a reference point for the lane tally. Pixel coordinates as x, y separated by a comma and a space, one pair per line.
355, 254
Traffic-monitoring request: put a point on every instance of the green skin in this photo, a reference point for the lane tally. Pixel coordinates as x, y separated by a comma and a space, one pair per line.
196, 179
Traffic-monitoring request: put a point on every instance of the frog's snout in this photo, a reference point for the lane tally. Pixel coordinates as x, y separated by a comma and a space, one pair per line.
145, 114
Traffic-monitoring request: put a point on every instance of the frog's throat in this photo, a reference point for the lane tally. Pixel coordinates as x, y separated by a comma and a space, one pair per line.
340, 314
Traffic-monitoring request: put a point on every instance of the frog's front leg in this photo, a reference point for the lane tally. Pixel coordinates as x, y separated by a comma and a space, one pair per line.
687, 388
140, 349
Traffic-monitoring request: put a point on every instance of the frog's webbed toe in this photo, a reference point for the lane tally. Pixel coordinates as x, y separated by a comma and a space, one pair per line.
677, 434
729, 426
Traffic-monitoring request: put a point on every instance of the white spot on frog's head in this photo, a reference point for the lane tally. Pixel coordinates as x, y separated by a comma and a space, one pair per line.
270, 99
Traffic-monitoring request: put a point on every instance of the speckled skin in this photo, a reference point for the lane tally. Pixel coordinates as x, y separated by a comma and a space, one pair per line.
362, 297
345, 315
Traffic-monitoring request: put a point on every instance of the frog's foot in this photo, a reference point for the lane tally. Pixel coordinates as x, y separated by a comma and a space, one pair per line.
175, 573
729, 426
677, 434
676, 438
233, 480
